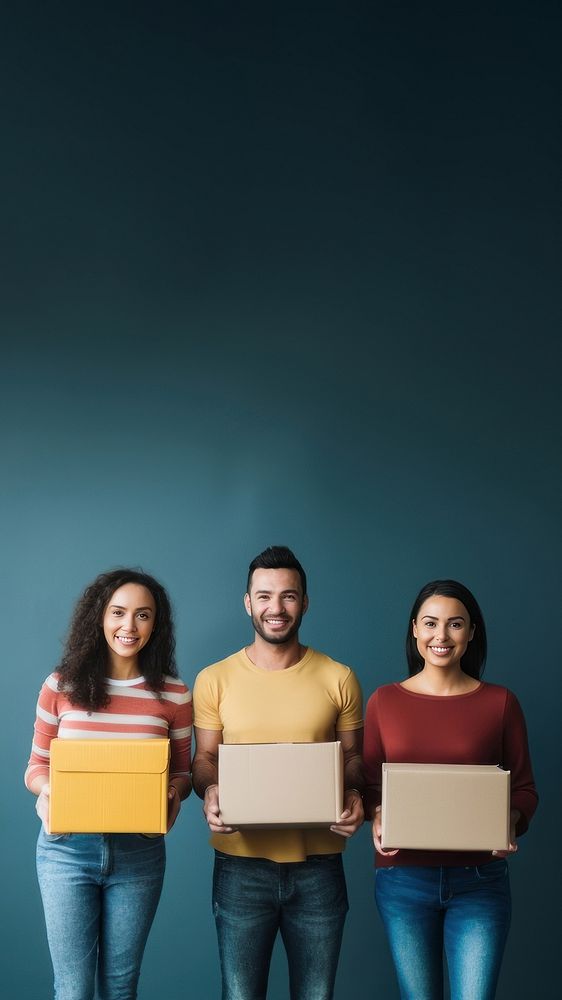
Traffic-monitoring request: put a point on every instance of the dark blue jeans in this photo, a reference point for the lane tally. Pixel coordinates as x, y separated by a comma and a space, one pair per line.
100, 893
306, 901
464, 912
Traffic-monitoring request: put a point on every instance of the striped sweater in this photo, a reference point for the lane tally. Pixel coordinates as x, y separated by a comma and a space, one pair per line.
134, 712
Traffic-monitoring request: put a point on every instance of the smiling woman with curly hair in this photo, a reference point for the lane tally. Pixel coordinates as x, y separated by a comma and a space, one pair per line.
117, 679
83, 668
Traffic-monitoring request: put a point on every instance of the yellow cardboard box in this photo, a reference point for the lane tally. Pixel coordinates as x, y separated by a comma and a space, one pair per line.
280, 784
445, 807
109, 786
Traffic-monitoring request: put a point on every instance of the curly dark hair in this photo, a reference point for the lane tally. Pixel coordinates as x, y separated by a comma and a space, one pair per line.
83, 668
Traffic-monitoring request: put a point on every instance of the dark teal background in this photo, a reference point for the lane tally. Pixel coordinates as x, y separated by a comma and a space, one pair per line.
282, 273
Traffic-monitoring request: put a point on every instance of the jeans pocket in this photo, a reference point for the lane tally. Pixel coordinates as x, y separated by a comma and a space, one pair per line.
492, 870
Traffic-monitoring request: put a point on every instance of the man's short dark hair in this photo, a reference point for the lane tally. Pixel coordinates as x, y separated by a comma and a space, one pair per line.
276, 557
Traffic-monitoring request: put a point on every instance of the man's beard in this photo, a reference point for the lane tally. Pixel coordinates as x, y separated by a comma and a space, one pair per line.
276, 640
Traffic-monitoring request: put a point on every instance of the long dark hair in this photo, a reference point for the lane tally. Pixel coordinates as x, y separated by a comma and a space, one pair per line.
83, 668
472, 663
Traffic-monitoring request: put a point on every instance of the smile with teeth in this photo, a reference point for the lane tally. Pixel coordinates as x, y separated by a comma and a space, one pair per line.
276, 621
127, 640
441, 649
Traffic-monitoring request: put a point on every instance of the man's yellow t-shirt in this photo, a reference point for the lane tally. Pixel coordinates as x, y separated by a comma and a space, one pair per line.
309, 702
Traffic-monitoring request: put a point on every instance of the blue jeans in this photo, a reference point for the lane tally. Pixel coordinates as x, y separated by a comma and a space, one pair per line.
253, 898
462, 911
100, 893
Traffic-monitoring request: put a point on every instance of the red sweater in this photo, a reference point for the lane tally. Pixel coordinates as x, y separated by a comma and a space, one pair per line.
485, 726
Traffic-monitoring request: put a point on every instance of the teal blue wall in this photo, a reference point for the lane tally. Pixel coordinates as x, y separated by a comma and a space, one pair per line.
292, 277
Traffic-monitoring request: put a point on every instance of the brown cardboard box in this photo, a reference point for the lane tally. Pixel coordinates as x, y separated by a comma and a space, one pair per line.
455, 807
280, 784
109, 786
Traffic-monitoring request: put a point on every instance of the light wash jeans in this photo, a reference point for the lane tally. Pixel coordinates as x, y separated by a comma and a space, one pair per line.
306, 901
100, 893
464, 912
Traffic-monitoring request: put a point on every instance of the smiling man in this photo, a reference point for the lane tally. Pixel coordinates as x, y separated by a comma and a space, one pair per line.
290, 880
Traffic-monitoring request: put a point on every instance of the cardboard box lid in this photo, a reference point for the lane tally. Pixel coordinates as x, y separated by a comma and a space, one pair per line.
446, 768
112, 756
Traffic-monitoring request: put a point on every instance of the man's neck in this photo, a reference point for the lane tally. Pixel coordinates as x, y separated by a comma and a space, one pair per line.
268, 656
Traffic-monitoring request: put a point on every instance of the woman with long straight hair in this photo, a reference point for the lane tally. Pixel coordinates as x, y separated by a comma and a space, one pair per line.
452, 902
117, 679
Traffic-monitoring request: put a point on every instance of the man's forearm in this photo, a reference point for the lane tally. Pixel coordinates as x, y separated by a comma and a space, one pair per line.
205, 773
353, 773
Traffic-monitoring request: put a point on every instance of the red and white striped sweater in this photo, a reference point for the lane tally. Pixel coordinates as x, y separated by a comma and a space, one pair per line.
134, 712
